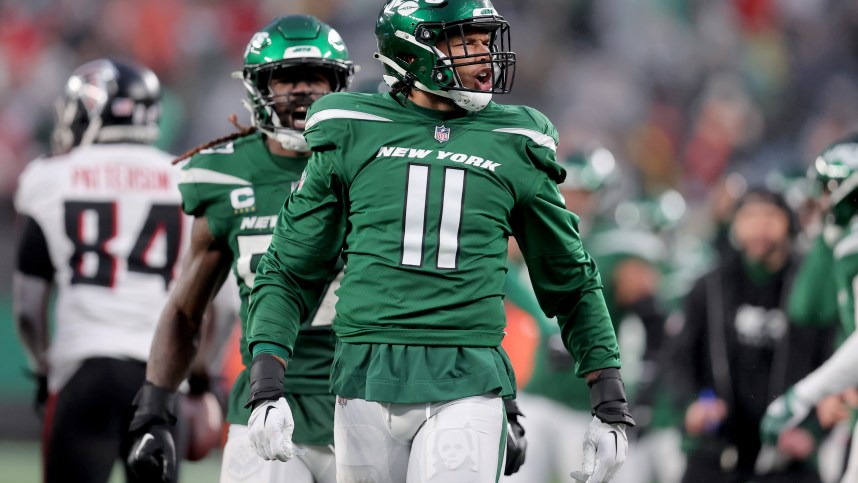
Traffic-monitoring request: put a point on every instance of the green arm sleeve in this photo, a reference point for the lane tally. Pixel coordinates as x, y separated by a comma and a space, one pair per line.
565, 278
304, 249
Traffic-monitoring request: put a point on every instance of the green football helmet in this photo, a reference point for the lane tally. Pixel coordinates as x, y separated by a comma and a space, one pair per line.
836, 171
294, 47
657, 214
408, 32
590, 170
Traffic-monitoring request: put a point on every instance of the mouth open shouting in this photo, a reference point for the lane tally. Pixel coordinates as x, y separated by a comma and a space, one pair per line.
299, 118
483, 79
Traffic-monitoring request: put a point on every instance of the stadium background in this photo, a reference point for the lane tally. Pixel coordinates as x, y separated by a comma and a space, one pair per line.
682, 91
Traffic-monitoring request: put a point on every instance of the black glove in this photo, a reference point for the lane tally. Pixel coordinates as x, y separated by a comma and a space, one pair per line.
516, 444
153, 454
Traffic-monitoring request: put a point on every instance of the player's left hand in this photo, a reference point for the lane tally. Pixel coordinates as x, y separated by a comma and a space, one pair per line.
516, 444
605, 449
785, 412
271, 425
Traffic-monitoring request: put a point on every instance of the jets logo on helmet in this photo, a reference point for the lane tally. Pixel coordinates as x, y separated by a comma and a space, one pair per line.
408, 33
259, 40
291, 47
836, 171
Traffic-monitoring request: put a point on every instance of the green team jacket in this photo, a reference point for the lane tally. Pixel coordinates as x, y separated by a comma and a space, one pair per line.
239, 187
421, 203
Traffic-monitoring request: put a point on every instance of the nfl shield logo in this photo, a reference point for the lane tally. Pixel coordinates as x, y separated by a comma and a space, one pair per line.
442, 134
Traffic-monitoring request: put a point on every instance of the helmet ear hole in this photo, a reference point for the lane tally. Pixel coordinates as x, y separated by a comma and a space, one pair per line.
406, 57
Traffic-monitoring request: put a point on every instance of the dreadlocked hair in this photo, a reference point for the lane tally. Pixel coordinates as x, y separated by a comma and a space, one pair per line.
242, 132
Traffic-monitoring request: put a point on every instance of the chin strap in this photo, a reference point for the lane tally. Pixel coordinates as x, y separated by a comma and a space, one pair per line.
290, 139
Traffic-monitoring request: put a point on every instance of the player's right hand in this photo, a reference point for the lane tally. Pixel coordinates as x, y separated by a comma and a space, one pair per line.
785, 412
153, 453
270, 426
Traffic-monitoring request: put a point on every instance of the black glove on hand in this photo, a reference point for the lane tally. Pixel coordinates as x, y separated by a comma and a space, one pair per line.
153, 454
516, 444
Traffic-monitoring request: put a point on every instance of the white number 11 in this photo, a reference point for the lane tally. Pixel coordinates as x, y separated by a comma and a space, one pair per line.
414, 225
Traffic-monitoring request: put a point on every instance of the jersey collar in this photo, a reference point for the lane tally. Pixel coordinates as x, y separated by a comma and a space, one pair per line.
431, 113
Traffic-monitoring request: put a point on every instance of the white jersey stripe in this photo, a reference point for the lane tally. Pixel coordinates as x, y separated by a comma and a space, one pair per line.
329, 114
201, 175
539, 138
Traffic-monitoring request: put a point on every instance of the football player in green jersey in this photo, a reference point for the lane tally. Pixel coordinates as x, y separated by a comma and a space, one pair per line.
234, 187
836, 170
419, 189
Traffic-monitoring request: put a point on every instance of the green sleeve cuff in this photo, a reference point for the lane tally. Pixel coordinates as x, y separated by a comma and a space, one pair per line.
270, 348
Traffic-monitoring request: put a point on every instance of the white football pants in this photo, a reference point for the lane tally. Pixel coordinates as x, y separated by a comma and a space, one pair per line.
442, 442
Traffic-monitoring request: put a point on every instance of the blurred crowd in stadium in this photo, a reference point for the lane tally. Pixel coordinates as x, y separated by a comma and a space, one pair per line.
681, 91
677, 118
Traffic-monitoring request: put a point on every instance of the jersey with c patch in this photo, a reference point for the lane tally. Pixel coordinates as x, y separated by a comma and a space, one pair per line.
240, 187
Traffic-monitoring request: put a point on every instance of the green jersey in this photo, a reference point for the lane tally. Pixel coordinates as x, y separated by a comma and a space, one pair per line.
422, 204
239, 188
846, 277
813, 298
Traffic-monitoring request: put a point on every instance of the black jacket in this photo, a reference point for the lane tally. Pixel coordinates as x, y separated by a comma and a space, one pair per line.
737, 341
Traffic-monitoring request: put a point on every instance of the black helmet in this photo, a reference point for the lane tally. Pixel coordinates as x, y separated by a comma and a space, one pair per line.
107, 101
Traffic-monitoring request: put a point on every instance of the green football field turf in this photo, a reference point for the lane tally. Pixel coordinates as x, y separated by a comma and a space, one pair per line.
19, 463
